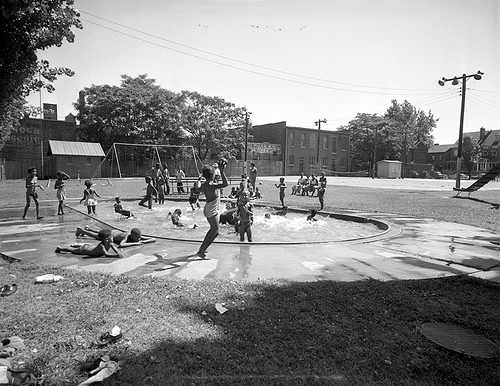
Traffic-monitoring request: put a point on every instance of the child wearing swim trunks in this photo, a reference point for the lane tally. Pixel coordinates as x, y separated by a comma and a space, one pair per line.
150, 192
31, 185
122, 239
118, 208
176, 217
211, 190
194, 195
61, 190
282, 186
105, 248
245, 213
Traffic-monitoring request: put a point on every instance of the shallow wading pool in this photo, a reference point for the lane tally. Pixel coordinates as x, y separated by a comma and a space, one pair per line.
293, 228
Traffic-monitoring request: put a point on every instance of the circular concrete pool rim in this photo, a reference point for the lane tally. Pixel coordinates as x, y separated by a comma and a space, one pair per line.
386, 230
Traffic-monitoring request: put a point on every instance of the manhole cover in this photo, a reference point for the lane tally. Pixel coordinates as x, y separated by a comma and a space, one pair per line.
459, 339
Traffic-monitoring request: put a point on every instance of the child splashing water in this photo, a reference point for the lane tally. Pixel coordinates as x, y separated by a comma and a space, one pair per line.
211, 189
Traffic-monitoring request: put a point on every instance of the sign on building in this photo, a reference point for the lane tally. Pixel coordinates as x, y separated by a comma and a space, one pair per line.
49, 111
264, 148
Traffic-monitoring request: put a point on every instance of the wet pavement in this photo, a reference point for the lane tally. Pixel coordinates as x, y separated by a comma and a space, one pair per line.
409, 249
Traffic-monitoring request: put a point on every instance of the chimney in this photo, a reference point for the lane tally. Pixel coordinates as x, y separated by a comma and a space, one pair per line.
482, 134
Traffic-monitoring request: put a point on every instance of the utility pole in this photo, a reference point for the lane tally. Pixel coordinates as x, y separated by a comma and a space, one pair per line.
246, 142
375, 140
477, 76
318, 123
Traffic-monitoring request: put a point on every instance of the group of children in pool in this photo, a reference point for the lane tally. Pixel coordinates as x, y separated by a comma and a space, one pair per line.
238, 214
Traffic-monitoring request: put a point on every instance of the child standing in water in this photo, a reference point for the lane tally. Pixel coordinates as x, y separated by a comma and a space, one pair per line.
321, 190
282, 186
61, 190
31, 185
194, 195
89, 196
245, 212
150, 192
161, 190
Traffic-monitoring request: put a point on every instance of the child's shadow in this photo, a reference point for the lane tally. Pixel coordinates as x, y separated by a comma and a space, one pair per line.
172, 262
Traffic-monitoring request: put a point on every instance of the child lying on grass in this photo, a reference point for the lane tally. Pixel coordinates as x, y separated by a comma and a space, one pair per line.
105, 248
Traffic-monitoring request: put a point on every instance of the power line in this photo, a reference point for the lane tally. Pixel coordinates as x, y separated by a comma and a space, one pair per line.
247, 63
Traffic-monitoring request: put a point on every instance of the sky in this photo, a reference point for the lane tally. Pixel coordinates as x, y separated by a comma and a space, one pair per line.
295, 61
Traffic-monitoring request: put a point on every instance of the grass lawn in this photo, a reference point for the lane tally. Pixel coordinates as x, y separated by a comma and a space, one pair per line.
274, 332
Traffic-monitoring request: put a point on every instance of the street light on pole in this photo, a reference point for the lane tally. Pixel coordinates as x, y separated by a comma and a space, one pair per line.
318, 123
454, 82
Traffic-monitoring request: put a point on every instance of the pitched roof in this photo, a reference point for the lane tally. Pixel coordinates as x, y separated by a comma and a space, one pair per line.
441, 148
493, 139
89, 149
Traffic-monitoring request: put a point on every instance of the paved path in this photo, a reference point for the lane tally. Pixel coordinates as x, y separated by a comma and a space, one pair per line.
412, 249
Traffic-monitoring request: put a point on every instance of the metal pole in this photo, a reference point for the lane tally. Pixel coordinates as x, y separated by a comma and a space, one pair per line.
375, 152
246, 144
441, 82
461, 133
318, 123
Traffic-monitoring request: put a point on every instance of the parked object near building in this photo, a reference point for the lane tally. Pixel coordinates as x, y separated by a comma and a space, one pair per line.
389, 169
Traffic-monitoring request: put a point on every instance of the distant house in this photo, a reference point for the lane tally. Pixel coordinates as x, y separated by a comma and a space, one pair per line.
443, 157
78, 159
490, 148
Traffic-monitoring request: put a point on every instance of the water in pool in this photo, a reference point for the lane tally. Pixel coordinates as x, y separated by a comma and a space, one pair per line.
292, 228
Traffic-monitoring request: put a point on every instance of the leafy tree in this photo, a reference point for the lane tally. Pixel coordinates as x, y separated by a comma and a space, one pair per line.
401, 127
470, 151
411, 126
137, 111
368, 131
27, 26
212, 125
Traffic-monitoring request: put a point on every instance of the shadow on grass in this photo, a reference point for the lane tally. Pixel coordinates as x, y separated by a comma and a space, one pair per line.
493, 204
320, 333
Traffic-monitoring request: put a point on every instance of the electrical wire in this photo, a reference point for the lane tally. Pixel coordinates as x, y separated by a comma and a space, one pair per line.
420, 91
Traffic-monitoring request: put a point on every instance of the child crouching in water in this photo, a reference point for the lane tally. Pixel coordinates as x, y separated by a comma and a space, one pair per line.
118, 207
105, 248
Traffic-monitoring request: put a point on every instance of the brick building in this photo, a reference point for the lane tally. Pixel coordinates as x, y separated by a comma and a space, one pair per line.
300, 151
28, 145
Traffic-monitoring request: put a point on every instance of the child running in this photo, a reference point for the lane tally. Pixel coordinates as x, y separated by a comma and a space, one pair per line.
122, 239
150, 192
282, 186
211, 209
105, 248
245, 212
89, 196
61, 190
31, 185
